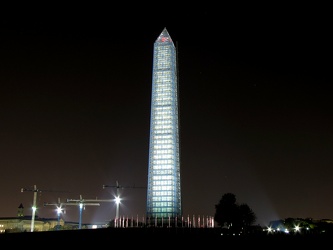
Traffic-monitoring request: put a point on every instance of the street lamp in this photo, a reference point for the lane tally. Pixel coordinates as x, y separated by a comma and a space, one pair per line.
59, 211
82, 203
34, 205
34, 208
117, 200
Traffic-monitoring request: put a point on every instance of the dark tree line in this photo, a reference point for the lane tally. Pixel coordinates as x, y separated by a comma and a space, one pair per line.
231, 215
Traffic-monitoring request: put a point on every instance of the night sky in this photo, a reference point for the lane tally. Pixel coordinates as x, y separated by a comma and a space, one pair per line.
255, 110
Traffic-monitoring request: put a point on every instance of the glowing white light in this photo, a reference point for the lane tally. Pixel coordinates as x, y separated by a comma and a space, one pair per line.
59, 210
297, 228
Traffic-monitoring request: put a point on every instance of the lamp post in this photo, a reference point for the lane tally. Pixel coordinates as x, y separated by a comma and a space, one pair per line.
117, 198
34, 205
58, 209
84, 202
34, 202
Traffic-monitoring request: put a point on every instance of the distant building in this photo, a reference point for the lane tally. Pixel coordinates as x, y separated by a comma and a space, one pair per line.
164, 203
22, 223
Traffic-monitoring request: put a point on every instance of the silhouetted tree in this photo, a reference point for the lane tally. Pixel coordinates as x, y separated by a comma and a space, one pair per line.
247, 215
226, 210
231, 215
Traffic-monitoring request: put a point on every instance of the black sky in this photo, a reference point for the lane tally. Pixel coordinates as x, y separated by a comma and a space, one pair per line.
255, 109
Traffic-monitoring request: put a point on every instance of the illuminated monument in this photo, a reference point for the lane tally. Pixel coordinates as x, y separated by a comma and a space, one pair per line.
164, 204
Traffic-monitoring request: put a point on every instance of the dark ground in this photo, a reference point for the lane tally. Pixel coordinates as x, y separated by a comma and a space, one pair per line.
177, 237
